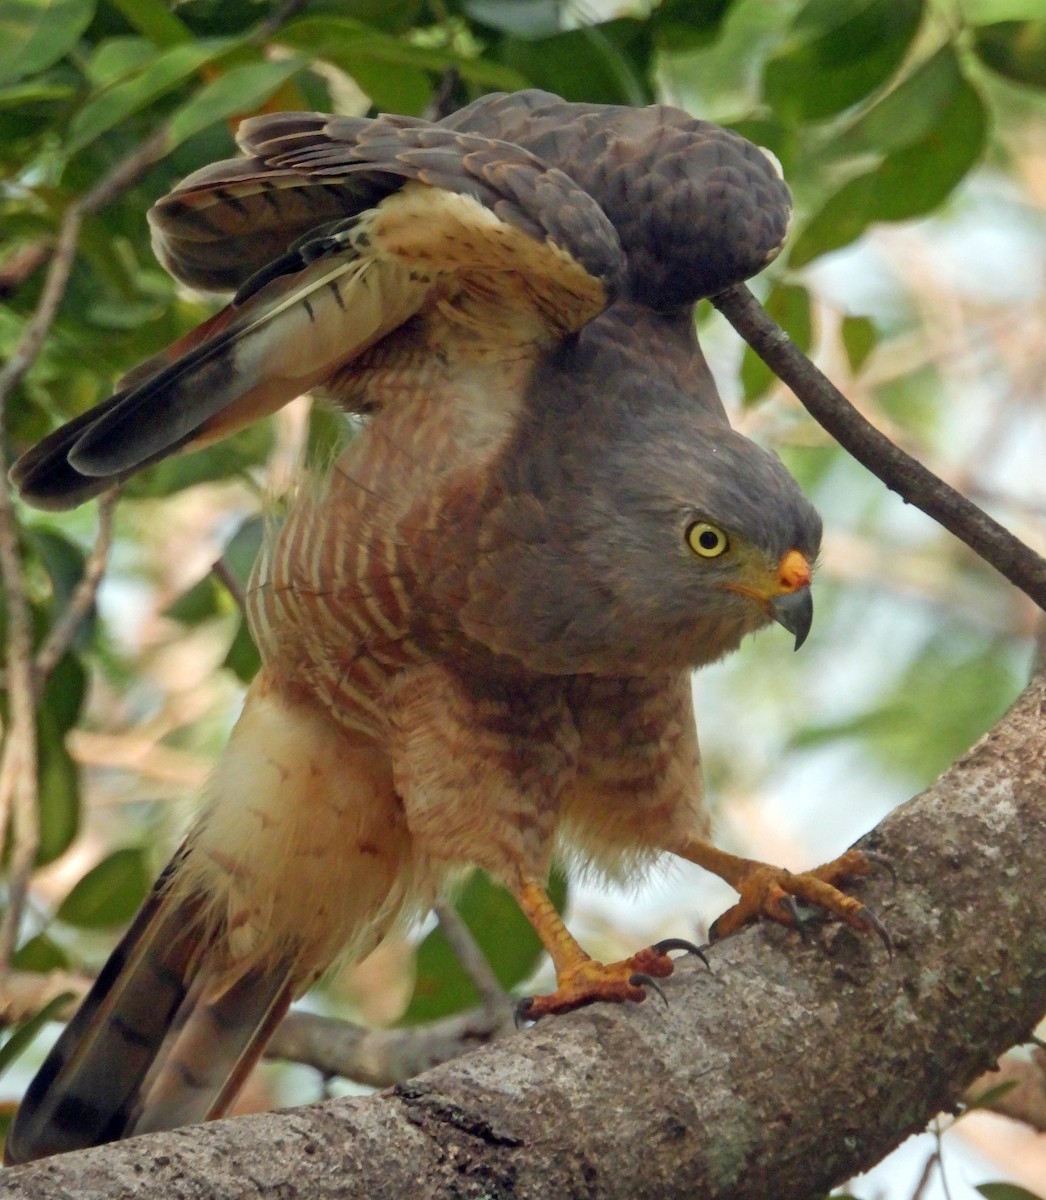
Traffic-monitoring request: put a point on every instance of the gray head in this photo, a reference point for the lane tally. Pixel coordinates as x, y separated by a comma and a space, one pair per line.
642, 540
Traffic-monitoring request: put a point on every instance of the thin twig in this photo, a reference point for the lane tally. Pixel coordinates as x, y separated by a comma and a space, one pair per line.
926, 1176
127, 171
18, 767
442, 103
471, 957
273, 24
64, 629
25, 261
225, 574
899, 471
36, 331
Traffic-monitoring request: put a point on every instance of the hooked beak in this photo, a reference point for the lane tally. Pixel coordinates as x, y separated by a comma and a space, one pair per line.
795, 611
786, 596
793, 606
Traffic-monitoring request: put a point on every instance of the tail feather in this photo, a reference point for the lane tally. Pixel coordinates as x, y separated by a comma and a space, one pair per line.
210, 1050
114, 1069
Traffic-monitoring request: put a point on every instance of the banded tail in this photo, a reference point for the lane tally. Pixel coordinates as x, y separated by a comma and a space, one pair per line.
157, 1043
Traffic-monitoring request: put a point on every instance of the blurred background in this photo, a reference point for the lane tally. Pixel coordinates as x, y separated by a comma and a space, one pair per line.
912, 133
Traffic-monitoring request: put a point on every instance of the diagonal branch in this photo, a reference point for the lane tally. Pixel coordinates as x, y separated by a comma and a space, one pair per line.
781, 1072
901, 473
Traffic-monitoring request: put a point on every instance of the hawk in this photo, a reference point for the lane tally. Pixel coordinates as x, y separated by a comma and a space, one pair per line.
477, 630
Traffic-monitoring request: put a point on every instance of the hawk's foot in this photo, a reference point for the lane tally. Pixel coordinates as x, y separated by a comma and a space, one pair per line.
588, 981
768, 891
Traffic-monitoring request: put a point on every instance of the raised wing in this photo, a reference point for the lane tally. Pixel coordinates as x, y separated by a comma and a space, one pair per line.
333, 246
697, 207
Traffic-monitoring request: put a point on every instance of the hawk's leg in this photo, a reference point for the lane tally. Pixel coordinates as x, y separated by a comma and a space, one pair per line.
769, 891
581, 979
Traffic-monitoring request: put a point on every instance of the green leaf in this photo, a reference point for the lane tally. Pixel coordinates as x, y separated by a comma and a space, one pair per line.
36, 33
988, 12
1015, 49
235, 455
154, 19
838, 52
157, 76
238, 90
59, 790
22, 1034
525, 18
910, 181
859, 340
40, 954
1006, 1191
110, 893
201, 602
243, 658
367, 54
328, 433
505, 936
988, 1097
64, 692
35, 91
605, 63
912, 110
242, 548
789, 305
841, 220
681, 25
63, 560
914, 181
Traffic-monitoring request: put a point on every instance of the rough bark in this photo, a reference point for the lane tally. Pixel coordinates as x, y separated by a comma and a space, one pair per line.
779, 1072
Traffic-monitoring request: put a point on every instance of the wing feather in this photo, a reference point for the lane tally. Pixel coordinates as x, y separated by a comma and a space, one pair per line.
468, 232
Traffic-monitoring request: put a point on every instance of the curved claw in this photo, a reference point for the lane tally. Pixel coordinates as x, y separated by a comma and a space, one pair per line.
789, 904
521, 1013
881, 860
675, 943
880, 929
644, 981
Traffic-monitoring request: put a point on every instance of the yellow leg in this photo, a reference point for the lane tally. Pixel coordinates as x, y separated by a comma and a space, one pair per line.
768, 891
581, 979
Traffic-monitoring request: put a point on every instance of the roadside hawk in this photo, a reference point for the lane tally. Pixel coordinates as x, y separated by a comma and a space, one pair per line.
477, 631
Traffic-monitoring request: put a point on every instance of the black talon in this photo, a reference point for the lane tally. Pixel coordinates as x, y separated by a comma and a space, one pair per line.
881, 860
866, 914
798, 920
667, 944
520, 1012
644, 981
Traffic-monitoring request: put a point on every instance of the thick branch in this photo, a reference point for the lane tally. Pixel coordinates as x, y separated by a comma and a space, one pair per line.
783, 1070
901, 473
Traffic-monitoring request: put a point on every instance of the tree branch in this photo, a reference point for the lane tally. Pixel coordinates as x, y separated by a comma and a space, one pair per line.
62, 632
901, 473
459, 937
381, 1057
377, 1057
784, 1070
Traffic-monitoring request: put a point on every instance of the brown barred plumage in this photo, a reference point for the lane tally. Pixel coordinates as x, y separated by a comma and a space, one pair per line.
477, 630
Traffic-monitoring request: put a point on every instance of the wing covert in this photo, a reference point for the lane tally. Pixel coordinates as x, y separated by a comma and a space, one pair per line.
462, 233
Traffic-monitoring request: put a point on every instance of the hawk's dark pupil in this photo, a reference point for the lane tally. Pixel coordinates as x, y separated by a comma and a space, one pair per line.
709, 540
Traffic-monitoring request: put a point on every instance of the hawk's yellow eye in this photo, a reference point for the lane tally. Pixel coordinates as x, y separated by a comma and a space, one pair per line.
706, 540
